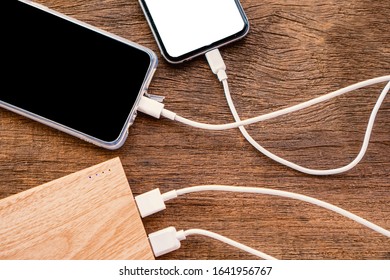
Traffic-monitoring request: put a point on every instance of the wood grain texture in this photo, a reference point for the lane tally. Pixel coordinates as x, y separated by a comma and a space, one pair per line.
90, 214
295, 50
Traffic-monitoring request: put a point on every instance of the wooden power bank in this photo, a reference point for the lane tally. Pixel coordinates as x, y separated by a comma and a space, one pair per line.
90, 214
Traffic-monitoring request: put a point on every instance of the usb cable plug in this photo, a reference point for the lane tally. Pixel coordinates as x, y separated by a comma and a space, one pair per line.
153, 201
169, 239
166, 240
154, 108
217, 65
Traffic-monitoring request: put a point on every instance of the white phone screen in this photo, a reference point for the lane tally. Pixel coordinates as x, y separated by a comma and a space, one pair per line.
188, 25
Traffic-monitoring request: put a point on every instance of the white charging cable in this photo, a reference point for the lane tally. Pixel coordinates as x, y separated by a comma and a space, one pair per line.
168, 240
153, 201
156, 109
218, 67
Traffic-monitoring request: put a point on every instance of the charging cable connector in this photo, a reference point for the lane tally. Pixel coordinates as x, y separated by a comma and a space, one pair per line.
153, 202
169, 239
166, 240
154, 108
217, 64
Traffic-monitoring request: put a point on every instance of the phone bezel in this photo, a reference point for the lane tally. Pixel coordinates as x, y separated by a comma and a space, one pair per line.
120, 140
190, 55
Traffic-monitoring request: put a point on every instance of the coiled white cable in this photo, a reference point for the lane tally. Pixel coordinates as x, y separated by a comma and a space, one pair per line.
300, 168
156, 109
218, 67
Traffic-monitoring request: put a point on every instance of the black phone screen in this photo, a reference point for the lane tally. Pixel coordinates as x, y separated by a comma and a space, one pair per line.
67, 73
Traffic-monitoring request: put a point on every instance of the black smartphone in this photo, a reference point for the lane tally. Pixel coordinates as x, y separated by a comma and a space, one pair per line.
185, 29
70, 75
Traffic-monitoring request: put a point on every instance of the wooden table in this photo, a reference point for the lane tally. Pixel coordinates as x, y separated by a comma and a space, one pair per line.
296, 50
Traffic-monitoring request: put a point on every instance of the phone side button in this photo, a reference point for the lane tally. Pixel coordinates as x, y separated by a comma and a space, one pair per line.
150, 78
132, 120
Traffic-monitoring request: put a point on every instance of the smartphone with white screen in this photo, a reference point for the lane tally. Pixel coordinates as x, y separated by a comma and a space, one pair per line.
185, 29
70, 75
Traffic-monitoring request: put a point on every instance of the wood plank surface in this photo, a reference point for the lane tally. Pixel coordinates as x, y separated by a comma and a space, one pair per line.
295, 50
90, 214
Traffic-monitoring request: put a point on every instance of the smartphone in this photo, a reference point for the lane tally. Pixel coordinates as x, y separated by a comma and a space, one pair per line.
185, 29
70, 75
